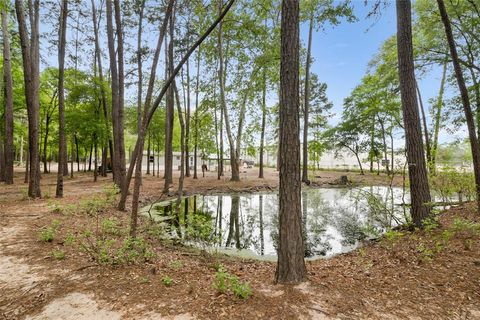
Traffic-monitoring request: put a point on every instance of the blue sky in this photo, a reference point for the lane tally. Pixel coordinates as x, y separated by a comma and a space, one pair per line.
341, 55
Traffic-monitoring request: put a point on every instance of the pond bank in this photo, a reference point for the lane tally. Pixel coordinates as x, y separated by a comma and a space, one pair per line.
434, 274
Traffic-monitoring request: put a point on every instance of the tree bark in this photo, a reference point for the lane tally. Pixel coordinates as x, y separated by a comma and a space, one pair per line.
116, 72
31, 74
197, 90
419, 188
438, 118
7, 78
464, 95
187, 125
428, 148
264, 120
291, 264
307, 102
170, 112
139, 65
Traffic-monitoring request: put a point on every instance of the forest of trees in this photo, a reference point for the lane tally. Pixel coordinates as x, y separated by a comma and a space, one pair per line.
103, 83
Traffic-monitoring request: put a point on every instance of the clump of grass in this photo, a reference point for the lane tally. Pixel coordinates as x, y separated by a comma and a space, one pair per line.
58, 254
177, 264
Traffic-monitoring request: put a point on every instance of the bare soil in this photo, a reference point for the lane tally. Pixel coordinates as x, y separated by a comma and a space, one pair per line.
423, 274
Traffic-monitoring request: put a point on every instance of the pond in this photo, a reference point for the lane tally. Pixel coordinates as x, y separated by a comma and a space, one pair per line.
335, 220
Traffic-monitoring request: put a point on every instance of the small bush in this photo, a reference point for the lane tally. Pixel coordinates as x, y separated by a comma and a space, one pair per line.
167, 281
177, 264
69, 239
430, 224
110, 193
144, 280
110, 226
393, 236
48, 234
224, 282
463, 225
58, 254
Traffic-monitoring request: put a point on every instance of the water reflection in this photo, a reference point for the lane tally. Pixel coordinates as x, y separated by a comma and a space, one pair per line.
334, 220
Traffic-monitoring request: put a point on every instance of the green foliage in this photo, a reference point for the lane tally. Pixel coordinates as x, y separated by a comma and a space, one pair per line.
69, 239
393, 236
200, 228
93, 206
177, 264
144, 280
426, 253
110, 193
450, 182
463, 225
110, 226
48, 233
58, 254
430, 223
167, 281
240, 289
224, 282
134, 250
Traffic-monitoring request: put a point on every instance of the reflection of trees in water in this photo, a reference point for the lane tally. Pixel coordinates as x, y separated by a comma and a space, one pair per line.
315, 217
233, 228
350, 226
251, 221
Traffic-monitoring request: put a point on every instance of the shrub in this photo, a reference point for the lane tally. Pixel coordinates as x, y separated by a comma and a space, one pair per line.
224, 282
48, 234
110, 226
58, 254
167, 281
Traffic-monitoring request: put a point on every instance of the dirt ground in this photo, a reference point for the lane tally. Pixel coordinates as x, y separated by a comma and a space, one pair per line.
432, 274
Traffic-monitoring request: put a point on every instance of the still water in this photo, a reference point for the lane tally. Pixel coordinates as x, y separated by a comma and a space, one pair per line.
335, 220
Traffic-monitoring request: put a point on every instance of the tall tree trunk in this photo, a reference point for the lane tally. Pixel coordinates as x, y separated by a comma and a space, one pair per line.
417, 170
31, 60
7, 78
45, 143
72, 147
27, 166
2, 157
187, 125
121, 89
438, 118
90, 157
428, 148
197, 90
264, 120
291, 264
307, 102
221, 80
148, 153
170, 112
465, 99
182, 153
77, 158
116, 71
372, 144
95, 169
139, 65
